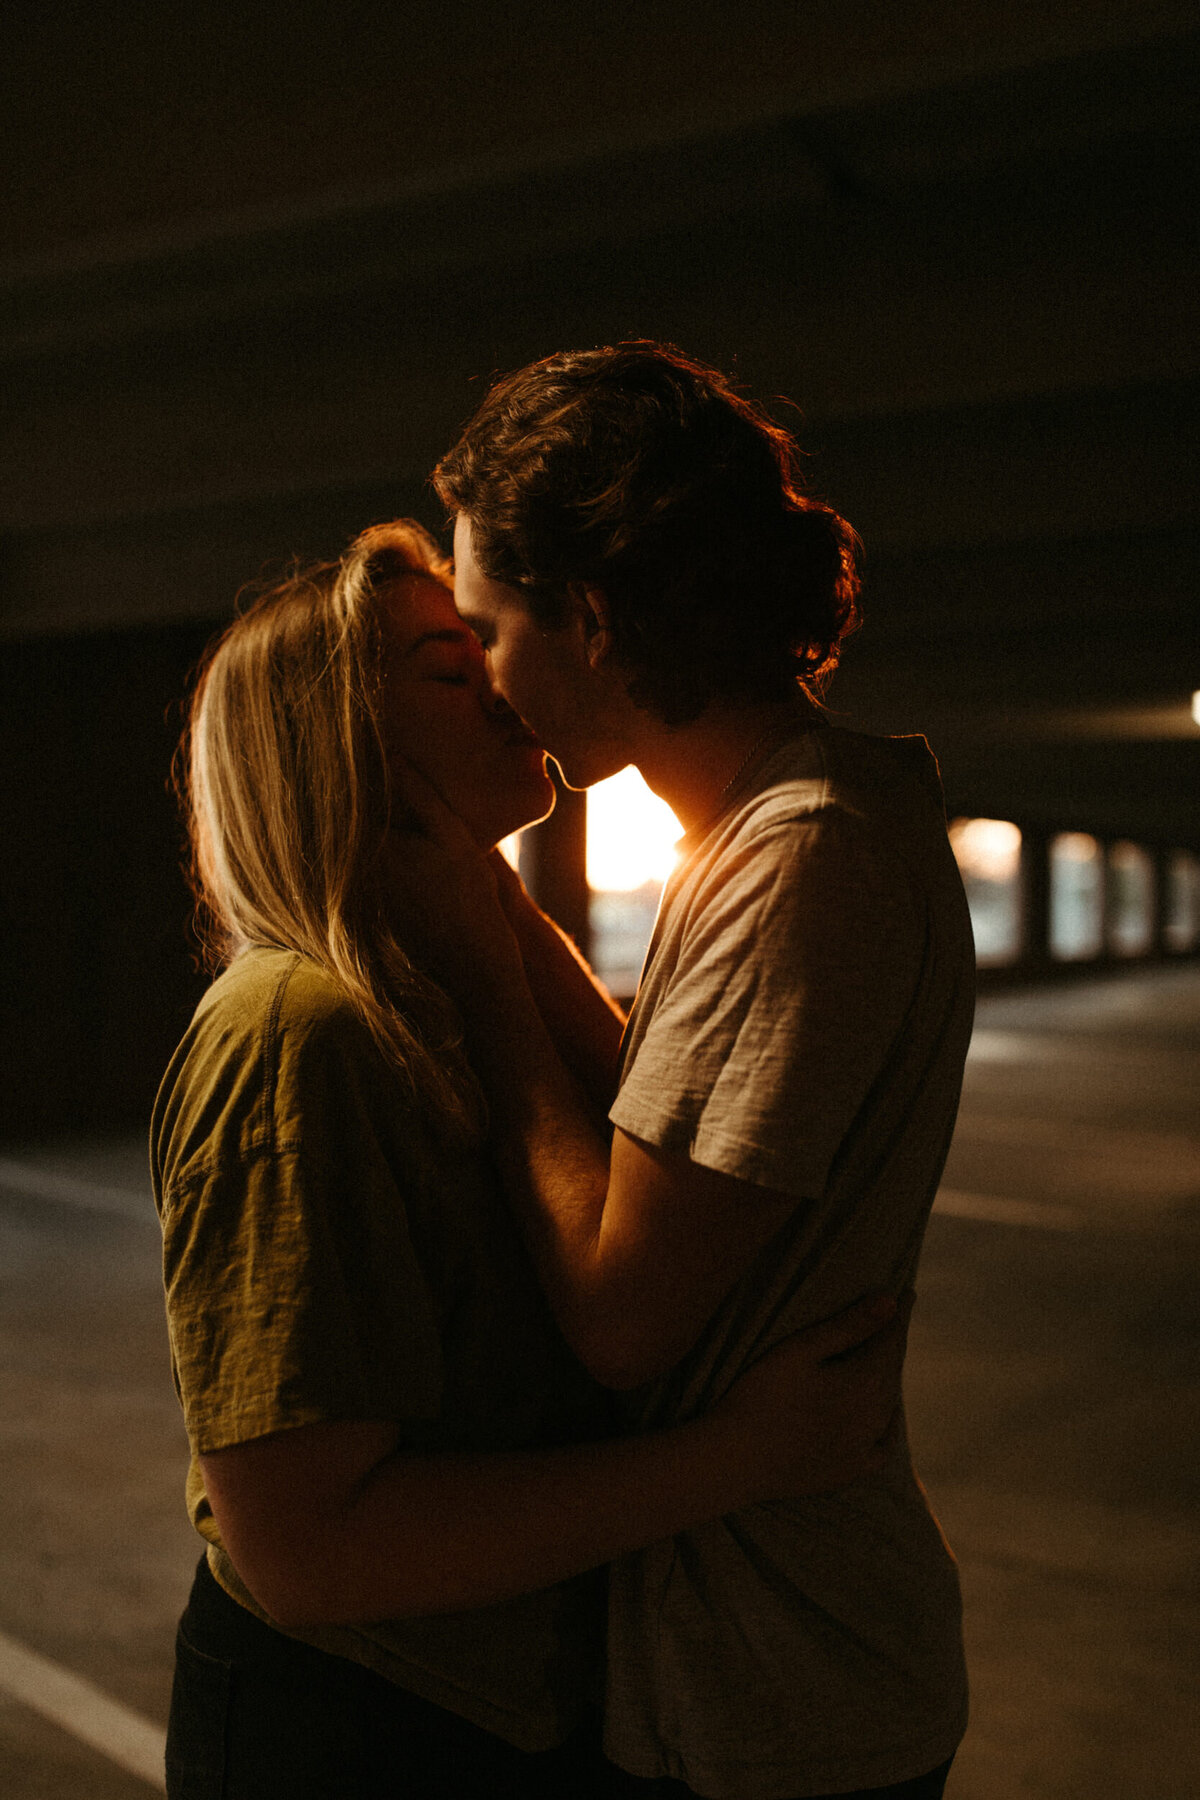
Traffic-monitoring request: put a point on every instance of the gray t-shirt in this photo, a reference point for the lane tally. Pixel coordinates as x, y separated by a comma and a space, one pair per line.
802, 1023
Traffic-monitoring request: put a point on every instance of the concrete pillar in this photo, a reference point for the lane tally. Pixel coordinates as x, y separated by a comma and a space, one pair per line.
1035, 896
554, 863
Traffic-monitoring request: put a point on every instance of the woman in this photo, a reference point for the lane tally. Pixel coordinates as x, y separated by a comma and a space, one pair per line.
400, 1471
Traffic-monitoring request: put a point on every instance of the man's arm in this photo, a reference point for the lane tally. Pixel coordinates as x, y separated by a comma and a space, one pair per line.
332, 1524
583, 1020
635, 1249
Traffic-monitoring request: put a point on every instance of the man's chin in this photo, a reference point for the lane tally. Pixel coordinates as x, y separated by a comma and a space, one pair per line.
564, 775
531, 815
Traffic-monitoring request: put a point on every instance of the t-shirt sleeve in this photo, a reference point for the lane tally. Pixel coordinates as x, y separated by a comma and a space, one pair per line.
795, 974
294, 1294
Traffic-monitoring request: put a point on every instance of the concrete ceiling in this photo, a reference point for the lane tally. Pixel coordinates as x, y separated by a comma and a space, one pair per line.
250, 283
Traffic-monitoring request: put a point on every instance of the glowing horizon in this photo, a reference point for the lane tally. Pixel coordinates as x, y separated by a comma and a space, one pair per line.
631, 835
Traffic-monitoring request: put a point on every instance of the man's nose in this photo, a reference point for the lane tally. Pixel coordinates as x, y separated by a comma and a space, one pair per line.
496, 703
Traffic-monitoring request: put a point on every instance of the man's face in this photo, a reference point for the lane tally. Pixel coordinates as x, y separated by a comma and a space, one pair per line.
545, 673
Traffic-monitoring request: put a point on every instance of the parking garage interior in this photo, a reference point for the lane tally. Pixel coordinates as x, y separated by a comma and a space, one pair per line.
254, 274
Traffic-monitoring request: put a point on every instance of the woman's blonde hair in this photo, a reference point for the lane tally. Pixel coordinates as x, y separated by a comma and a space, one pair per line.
284, 777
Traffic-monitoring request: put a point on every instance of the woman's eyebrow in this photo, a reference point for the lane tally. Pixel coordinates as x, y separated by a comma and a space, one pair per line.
447, 635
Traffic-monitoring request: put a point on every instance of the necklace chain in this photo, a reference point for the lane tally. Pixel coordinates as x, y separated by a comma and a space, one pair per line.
747, 760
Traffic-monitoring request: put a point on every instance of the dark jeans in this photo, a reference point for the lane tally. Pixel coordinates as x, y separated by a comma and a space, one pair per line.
922, 1787
257, 1716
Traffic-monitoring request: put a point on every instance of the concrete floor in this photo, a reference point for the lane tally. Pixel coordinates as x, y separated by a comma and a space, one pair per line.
1054, 1392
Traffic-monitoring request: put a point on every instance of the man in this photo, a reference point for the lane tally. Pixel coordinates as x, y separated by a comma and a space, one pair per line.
634, 550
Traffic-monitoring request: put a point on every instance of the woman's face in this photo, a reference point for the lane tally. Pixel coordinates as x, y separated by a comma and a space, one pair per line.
444, 718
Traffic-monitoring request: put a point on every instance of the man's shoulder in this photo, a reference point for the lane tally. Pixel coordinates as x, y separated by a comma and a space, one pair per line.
832, 768
836, 793
837, 823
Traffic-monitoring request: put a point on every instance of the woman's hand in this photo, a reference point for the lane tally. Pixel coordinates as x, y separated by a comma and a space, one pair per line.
821, 1410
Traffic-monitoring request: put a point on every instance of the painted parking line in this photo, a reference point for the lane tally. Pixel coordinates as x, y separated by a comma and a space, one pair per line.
67, 1700
998, 1209
47, 1184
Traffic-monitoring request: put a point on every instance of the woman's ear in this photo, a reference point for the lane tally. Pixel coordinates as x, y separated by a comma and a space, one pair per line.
592, 617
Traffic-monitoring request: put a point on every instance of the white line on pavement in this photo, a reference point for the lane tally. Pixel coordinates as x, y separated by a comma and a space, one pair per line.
118, 1733
997, 1209
45, 1184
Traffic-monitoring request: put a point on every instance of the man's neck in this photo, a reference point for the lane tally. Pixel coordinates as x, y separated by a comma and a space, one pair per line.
692, 767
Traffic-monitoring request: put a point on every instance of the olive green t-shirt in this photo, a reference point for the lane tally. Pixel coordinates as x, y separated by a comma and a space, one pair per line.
802, 1023
327, 1256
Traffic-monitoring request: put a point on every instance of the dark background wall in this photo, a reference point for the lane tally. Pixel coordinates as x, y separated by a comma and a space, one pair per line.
97, 962
256, 266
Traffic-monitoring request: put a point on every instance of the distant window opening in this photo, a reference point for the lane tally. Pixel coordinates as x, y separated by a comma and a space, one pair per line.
1076, 896
1129, 900
631, 836
988, 852
1181, 920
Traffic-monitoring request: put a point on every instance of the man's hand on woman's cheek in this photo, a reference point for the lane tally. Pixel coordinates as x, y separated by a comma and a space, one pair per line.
442, 893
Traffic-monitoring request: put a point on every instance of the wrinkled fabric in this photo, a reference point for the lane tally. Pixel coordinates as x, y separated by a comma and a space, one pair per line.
327, 1257
802, 1024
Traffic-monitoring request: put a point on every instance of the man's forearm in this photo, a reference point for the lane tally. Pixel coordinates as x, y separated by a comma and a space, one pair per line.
321, 1541
635, 1247
553, 1159
584, 1021
442, 1534
333, 1524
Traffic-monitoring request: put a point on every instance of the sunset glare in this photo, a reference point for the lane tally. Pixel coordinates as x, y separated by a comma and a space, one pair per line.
631, 835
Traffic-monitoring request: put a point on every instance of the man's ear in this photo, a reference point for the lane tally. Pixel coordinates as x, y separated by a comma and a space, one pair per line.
592, 616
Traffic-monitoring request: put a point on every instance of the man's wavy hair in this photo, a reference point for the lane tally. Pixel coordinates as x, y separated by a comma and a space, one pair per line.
642, 473
283, 778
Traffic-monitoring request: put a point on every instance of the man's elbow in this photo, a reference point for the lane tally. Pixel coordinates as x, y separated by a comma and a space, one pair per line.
293, 1570
293, 1597
301, 1589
